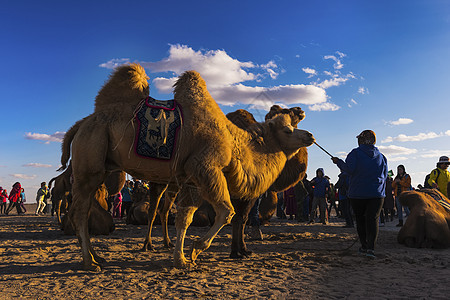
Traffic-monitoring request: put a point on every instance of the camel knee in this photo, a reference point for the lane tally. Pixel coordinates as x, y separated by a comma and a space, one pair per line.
184, 216
225, 214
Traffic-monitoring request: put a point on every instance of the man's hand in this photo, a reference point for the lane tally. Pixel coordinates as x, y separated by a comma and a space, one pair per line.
335, 160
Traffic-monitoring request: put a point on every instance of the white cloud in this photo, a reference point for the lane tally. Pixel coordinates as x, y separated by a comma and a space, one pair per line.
37, 165
47, 138
363, 90
226, 76
309, 71
337, 61
447, 133
352, 102
434, 153
324, 106
23, 176
397, 153
401, 121
286, 94
413, 138
114, 63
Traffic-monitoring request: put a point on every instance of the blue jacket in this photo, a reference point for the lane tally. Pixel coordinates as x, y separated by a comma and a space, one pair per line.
342, 185
321, 184
367, 169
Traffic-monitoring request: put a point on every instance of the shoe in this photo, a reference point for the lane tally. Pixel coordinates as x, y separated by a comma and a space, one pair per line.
311, 222
400, 223
362, 251
382, 224
370, 253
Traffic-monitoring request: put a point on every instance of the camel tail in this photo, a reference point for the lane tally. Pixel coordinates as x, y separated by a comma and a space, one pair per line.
66, 144
50, 183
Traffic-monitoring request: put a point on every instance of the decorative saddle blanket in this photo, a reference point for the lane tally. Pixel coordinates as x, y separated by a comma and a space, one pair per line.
158, 125
445, 204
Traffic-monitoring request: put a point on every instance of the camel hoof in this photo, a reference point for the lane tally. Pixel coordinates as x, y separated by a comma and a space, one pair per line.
169, 245
197, 248
181, 264
147, 247
246, 253
92, 268
236, 255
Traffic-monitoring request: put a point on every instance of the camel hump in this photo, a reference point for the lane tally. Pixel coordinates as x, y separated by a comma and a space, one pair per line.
296, 113
128, 83
138, 77
189, 80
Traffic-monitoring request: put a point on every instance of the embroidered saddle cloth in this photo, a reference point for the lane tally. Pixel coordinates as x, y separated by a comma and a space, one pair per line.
442, 201
158, 123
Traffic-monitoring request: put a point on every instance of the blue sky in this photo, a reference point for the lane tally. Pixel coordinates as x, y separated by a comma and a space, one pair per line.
350, 65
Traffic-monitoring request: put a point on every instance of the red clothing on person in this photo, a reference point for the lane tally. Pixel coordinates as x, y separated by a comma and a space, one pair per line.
15, 192
290, 202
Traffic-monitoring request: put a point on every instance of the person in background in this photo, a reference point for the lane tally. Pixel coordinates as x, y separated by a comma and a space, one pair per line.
14, 196
117, 209
301, 194
367, 169
3, 198
280, 206
342, 186
401, 183
22, 201
126, 198
254, 222
40, 197
320, 189
389, 201
290, 203
440, 177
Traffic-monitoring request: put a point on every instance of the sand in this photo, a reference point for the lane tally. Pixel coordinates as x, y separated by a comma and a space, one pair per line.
294, 261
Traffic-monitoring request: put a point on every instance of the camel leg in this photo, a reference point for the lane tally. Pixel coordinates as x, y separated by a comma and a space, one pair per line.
238, 246
156, 191
84, 195
224, 214
182, 221
170, 196
58, 210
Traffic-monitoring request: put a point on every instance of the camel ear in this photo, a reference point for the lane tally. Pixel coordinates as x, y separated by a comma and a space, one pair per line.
297, 114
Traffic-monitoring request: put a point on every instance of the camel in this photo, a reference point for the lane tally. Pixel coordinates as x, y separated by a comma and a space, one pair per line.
61, 193
428, 224
293, 171
100, 220
213, 155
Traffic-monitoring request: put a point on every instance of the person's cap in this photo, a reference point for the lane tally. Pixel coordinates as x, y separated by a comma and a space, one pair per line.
367, 137
444, 160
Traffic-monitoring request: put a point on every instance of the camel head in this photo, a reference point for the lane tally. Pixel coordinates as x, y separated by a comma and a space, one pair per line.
289, 138
296, 113
128, 83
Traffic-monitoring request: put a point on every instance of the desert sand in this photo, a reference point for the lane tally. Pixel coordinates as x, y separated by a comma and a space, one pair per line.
294, 261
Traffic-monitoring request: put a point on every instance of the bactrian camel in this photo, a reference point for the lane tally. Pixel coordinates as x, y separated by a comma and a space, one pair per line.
212, 154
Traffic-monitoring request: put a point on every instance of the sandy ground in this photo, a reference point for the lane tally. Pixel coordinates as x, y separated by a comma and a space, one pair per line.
294, 261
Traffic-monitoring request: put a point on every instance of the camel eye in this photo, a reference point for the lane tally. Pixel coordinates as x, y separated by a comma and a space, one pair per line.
288, 130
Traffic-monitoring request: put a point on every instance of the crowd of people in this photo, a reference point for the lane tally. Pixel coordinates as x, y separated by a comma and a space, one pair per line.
366, 192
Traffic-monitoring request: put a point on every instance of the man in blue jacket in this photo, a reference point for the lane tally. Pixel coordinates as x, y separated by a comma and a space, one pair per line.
320, 186
367, 170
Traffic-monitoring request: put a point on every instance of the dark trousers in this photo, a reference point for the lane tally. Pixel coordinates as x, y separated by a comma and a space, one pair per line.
12, 205
367, 212
126, 205
253, 215
346, 211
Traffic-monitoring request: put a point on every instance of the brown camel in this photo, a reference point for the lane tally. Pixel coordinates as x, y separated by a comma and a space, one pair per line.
428, 224
294, 170
100, 220
212, 154
61, 193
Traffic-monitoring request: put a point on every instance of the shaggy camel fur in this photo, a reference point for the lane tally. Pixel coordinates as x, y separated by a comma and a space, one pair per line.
428, 224
216, 156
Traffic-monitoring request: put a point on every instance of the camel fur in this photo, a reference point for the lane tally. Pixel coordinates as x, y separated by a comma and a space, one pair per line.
213, 154
428, 224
